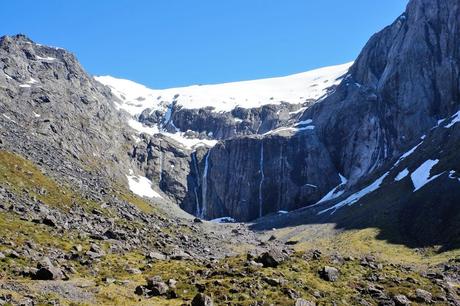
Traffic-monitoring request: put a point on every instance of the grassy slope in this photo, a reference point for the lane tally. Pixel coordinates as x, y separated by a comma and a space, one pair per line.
230, 280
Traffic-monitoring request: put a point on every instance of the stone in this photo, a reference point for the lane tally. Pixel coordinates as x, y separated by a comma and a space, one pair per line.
423, 296
272, 258
47, 271
50, 220
156, 286
329, 274
153, 255
401, 300
302, 302
202, 300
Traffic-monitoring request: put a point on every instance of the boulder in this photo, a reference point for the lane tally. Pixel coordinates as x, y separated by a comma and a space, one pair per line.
272, 258
401, 300
302, 302
329, 274
47, 271
423, 296
202, 300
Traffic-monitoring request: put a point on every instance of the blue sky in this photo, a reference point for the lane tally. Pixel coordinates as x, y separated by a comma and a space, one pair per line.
170, 43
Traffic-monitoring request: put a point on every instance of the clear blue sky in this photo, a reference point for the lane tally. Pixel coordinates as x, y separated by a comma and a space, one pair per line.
169, 43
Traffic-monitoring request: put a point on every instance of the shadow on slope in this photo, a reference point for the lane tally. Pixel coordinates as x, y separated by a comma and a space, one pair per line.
429, 217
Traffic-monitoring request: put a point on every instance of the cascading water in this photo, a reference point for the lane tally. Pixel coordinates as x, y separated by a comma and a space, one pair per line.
197, 175
262, 177
161, 167
204, 186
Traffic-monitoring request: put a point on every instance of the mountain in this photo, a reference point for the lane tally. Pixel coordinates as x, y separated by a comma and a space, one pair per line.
202, 115
346, 178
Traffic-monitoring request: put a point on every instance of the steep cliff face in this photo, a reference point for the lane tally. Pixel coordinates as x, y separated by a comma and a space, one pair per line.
46, 93
405, 79
235, 178
403, 82
284, 153
250, 177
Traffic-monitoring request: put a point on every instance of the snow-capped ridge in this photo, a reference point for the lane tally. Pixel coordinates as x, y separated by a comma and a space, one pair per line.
295, 89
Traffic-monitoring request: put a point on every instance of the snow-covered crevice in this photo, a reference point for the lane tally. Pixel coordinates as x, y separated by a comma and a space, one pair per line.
262, 178
300, 126
355, 197
334, 193
453, 120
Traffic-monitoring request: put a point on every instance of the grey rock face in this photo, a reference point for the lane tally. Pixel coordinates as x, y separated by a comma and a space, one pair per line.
238, 122
403, 82
405, 79
250, 177
165, 163
46, 93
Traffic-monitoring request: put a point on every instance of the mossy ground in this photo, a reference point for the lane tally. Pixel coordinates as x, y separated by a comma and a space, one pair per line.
229, 281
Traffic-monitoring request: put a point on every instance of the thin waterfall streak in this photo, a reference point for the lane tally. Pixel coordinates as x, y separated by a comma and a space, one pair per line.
204, 186
161, 166
262, 177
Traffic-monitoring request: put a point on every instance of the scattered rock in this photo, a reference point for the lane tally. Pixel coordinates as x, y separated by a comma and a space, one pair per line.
202, 300
156, 255
272, 258
401, 300
46, 271
423, 296
50, 220
329, 274
302, 302
157, 286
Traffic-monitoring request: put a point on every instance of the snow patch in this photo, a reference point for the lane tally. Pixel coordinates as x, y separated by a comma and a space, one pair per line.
189, 143
421, 176
453, 175
224, 220
334, 193
48, 58
141, 186
455, 118
402, 175
407, 154
352, 199
226, 97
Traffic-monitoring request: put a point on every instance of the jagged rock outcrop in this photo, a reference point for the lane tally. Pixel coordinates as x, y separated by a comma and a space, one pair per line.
46, 92
405, 79
239, 122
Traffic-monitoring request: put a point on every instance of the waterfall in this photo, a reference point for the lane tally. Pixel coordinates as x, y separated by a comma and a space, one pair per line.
161, 167
197, 213
204, 186
197, 181
262, 177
